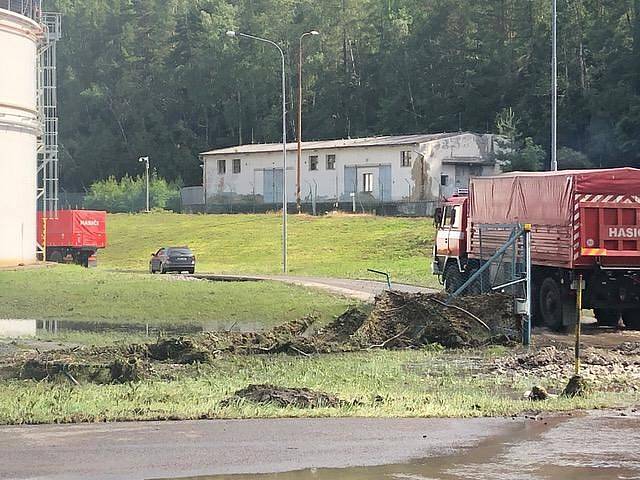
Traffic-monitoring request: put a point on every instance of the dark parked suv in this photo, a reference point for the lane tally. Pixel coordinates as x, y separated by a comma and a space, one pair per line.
172, 259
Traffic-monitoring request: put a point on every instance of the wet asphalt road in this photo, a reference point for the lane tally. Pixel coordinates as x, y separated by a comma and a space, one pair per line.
595, 445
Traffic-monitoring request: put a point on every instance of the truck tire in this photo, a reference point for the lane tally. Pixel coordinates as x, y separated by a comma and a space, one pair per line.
632, 318
550, 303
56, 256
607, 317
453, 278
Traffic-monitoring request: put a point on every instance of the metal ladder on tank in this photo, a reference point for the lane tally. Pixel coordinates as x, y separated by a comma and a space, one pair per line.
47, 103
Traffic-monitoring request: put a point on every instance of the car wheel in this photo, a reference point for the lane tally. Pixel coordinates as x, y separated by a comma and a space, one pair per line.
551, 303
151, 270
192, 271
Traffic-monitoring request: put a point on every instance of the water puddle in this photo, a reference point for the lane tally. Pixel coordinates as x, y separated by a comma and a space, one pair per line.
593, 446
20, 328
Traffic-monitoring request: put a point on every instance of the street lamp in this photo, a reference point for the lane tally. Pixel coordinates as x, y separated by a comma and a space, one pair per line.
554, 87
231, 33
146, 161
299, 123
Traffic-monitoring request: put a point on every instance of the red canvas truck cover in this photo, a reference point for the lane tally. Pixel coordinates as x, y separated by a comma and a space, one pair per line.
578, 217
76, 229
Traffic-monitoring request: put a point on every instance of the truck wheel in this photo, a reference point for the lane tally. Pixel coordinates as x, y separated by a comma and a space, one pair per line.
453, 278
56, 256
607, 317
550, 303
632, 318
151, 270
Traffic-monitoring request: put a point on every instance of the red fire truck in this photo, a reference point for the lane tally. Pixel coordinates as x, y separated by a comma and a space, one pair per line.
582, 222
74, 236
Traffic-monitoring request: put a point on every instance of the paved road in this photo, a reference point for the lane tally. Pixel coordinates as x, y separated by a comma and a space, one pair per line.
597, 445
179, 449
364, 290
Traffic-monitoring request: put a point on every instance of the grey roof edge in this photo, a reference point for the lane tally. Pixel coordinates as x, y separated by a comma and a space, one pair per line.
378, 141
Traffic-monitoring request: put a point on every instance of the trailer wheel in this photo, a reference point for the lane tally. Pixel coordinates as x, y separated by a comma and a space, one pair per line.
453, 278
607, 316
632, 318
550, 303
56, 256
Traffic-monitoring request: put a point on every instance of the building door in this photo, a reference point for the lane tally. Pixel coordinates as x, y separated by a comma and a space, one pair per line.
272, 185
384, 183
350, 181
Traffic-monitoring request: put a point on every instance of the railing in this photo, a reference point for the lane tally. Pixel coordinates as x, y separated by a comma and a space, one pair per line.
28, 8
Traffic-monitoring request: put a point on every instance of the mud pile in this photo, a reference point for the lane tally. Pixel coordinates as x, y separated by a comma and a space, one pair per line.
397, 320
599, 365
285, 397
408, 320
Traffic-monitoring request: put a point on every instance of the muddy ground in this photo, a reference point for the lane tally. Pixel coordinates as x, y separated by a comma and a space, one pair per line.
398, 320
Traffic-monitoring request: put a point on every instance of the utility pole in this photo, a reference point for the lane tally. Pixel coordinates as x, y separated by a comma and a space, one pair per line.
146, 161
554, 89
299, 123
231, 33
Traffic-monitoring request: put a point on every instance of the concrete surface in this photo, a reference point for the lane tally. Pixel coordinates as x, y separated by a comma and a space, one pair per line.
364, 290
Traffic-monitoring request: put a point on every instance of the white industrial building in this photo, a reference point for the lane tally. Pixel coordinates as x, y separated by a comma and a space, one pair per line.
384, 169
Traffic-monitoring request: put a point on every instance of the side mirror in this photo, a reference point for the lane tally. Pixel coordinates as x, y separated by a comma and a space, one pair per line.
437, 216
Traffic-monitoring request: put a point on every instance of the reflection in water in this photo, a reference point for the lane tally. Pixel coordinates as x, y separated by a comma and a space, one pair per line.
29, 328
17, 328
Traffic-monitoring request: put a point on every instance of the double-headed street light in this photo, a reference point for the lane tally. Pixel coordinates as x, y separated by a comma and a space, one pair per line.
232, 33
146, 161
299, 123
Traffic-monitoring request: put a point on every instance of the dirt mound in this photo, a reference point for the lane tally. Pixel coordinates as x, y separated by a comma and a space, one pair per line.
405, 320
556, 364
398, 320
286, 397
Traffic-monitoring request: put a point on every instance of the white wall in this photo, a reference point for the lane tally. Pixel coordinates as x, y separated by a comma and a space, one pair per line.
422, 178
18, 128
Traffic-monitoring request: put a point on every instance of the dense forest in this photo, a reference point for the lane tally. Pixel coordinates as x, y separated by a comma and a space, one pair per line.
161, 78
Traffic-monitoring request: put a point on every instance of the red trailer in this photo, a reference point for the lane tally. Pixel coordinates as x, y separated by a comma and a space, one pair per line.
583, 222
74, 236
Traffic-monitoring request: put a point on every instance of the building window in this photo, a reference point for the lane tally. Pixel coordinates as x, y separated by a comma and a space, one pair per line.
222, 167
313, 162
444, 180
237, 166
331, 162
367, 182
405, 158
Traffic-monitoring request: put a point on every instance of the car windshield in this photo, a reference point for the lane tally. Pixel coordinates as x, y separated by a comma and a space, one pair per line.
179, 251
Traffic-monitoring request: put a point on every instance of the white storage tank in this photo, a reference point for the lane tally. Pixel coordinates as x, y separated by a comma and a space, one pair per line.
19, 129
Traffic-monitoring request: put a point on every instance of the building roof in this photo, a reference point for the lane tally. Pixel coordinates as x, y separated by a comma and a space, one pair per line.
383, 141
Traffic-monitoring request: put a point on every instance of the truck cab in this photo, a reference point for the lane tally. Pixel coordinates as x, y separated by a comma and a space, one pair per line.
449, 256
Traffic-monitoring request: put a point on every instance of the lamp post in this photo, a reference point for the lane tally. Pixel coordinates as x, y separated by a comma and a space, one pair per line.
554, 87
146, 161
232, 33
299, 123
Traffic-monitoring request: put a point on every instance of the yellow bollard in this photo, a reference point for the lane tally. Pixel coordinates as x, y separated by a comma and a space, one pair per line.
578, 325
44, 238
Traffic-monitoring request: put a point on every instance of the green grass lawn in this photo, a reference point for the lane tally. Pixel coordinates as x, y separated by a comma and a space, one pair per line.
94, 295
335, 246
414, 383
